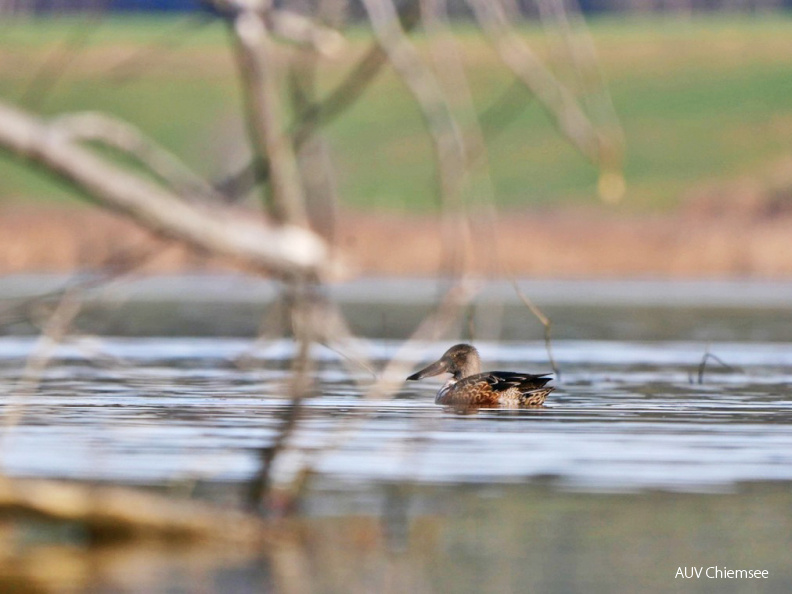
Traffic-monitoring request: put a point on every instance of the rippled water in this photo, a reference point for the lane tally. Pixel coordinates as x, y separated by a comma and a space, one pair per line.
632, 469
626, 416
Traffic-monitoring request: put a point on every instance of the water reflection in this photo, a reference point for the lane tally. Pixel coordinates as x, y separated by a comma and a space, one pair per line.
407, 538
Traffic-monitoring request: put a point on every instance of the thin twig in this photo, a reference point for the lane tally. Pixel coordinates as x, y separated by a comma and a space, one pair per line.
708, 355
557, 100
447, 138
53, 331
55, 67
151, 55
546, 323
99, 127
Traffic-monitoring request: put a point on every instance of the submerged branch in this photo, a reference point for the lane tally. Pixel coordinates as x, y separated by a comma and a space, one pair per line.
116, 513
703, 365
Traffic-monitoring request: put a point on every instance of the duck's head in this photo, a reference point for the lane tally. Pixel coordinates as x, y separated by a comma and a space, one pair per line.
460, 361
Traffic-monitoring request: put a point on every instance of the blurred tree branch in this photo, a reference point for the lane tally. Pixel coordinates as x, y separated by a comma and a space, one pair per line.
493, 16
286, 251
116, 513
290, 250
321, 113
447, 137
99, 127
257, 71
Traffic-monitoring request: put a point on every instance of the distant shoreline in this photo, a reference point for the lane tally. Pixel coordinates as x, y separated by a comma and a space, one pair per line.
569, 243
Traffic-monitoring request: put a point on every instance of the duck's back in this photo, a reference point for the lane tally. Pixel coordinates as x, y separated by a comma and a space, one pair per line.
497, 387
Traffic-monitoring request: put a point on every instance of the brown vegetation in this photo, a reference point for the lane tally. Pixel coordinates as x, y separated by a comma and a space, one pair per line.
574, 243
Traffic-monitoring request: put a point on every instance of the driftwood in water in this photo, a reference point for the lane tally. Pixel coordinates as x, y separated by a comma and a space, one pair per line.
116, 513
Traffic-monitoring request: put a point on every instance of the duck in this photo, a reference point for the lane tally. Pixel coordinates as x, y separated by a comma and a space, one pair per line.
468, 386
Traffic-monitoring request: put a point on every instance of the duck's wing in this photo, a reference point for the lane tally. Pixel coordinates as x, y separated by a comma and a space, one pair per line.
492, 387
501, 381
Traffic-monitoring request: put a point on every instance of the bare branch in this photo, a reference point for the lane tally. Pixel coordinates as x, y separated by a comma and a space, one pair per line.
299, 29
312, 153
450, 72
546, 323
552, 94
116, 513
353, 86
703, 365
286, 251
99, 127
433, 326
53, 331
445, 133
257, 69
342, 97
58, 63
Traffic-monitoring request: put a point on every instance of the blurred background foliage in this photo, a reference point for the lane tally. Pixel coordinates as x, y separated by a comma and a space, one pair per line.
703, 99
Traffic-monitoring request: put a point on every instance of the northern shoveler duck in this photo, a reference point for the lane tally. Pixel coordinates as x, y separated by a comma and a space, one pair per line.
469, 386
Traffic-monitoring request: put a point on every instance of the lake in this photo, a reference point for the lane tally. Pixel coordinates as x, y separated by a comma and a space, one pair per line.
642, 461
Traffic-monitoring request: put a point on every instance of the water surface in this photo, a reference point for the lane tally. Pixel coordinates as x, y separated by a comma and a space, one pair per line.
625, 416
641, 462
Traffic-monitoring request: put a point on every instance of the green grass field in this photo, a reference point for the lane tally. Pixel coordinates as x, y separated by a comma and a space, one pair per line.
700, 101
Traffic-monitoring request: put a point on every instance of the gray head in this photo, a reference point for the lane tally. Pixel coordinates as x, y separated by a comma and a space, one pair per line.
461, 360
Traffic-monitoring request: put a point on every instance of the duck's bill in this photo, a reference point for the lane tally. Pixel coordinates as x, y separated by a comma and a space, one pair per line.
434, 369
